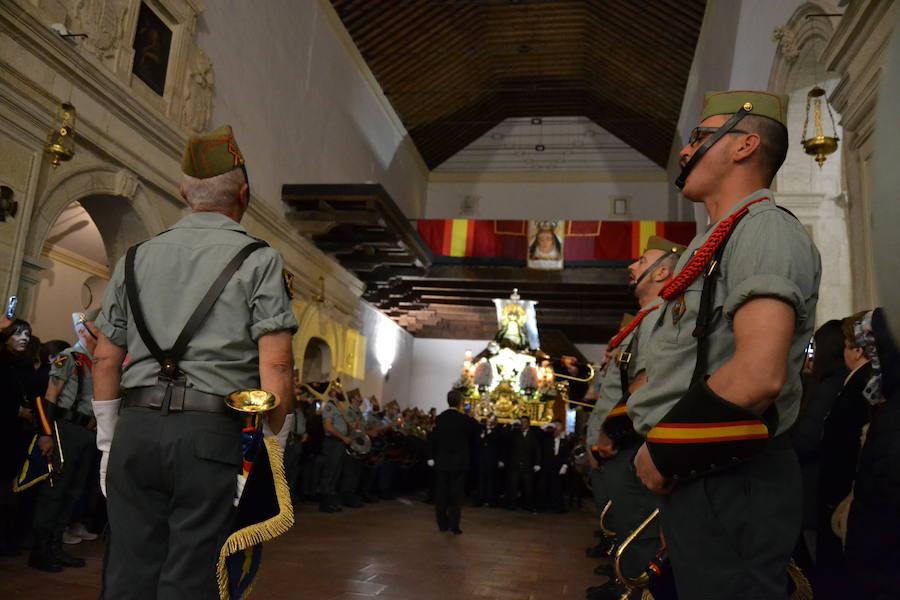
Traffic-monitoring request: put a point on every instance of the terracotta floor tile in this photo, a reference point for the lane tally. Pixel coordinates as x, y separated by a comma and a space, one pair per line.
386, 551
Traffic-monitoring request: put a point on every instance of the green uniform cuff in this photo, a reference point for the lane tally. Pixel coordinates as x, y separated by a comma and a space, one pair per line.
704, 433
281, 322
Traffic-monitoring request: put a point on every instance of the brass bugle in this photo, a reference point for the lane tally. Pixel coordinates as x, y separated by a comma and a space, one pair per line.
606, 531
641, 581
253, 403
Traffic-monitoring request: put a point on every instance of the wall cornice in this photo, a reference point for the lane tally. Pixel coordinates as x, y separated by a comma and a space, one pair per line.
76, 261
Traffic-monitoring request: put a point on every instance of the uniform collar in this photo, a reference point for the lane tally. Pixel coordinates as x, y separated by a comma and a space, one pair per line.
761, 193
208, 220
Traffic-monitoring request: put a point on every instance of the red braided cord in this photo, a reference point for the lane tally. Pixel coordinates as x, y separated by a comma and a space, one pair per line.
614, 343
698, 262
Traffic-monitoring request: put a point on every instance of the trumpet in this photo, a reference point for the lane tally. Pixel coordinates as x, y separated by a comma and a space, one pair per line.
641, 581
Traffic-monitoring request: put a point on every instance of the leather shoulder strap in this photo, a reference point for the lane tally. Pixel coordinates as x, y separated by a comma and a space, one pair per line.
169, 360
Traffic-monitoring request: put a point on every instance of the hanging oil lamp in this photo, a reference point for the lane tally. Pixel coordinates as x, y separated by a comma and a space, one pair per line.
61, 141
820, 145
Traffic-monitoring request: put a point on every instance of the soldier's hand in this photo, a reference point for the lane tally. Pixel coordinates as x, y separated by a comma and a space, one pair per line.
605, 446
45, 443
648, 473
4, 321
593, 461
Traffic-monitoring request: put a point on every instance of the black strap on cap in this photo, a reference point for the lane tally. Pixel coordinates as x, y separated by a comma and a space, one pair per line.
168, 360
649, 269
720, 132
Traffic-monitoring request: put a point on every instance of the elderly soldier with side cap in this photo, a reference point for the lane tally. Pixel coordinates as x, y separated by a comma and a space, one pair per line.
723, 381
616, 440
203, 310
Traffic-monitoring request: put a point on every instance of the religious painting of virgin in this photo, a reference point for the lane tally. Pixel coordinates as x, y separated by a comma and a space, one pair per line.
545, 244
152, 42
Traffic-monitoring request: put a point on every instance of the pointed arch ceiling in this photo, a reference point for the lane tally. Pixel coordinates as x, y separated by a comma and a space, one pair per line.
453, 70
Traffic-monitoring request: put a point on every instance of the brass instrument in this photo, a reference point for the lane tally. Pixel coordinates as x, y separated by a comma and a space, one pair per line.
632, 583
253, 403
606, 531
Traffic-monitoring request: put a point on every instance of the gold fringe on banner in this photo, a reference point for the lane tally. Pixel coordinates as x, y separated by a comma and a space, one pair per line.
259, 532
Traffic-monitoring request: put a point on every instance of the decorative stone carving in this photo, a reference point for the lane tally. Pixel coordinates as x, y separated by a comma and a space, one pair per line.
126, 183
787, 43
198, 98
104, 23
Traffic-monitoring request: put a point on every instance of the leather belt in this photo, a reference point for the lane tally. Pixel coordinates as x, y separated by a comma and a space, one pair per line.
183, 399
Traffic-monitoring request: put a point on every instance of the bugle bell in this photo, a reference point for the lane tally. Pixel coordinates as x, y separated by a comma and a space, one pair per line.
253, 403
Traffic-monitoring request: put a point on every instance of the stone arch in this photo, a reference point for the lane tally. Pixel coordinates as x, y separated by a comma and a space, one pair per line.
318, 363
815, 195
114, 198
314, 323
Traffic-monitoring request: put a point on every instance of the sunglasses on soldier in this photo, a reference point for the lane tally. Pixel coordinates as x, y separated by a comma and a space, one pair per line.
698, 134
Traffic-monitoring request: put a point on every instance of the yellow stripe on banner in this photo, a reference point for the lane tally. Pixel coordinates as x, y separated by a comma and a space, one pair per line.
663, 433
648, 229
458, 235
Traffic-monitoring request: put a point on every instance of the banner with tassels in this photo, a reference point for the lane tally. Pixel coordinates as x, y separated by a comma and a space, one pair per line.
264, 512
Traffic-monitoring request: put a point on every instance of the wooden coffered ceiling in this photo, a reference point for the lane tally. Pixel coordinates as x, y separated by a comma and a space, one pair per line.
455, 69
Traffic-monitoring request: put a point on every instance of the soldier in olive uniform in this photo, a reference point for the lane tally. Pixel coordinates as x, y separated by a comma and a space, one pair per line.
216, 299
337, 436
352, 467
68, 403
727, 348
616, 440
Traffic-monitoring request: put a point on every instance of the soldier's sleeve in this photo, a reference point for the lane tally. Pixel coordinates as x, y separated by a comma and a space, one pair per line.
113, 318
270, 304
64, 365
772, 257
328, 411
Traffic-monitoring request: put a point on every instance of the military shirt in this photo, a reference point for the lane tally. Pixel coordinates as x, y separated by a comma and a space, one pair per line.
69, 364
769, 255
611, 392
355, 416
174, 270
331, 411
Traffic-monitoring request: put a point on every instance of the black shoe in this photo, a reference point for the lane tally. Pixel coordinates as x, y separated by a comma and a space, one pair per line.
457, 531
599, 533
601, 550
605, 570
352, 503
443, 529
41, 557
330, 508
371, 500
63, 557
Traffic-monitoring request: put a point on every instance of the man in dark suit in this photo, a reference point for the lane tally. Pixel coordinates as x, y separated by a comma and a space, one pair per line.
453, 435
554, 464
524, 462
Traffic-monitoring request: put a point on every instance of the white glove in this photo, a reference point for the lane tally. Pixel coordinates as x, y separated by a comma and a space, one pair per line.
241, 482
430, 462
282, 435
500, 464
563, 469
537, 468
106, 413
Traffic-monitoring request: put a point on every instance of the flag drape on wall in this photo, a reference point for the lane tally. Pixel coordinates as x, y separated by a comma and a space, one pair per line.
585, 240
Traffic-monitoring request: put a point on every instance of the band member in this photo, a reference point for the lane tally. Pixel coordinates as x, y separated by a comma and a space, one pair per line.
337, 436
617, 442
176, 454
352, 466
727, 349
68, 403
449, 449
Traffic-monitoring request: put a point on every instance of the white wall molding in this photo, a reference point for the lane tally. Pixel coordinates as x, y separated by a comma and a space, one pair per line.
76, 261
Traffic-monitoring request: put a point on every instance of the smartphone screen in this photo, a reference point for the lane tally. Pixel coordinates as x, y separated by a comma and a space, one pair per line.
11, 307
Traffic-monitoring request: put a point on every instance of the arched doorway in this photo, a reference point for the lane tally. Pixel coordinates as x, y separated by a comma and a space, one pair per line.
317, 362
81, 227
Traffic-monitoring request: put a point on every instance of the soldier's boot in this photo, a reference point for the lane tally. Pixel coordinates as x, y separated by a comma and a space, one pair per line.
41, 557
63, 557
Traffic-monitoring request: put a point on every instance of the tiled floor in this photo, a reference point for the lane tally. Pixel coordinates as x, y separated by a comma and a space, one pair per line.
387, 551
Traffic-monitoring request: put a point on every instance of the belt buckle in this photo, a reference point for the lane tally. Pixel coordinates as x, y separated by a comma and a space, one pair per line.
624, 358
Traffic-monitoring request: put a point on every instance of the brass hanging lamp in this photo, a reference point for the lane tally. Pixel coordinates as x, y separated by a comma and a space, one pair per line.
820, 145
61, 141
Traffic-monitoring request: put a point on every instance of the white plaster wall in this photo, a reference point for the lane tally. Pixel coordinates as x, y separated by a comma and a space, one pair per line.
56, 296
301, 107
754, 48
395, 385
587, 201
436, 364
